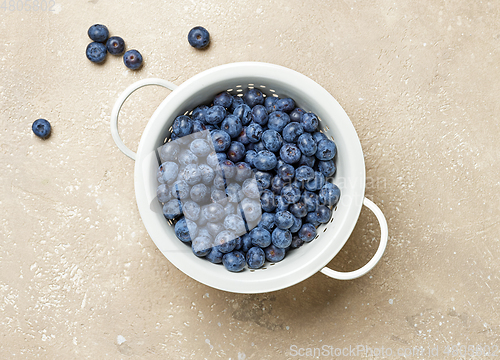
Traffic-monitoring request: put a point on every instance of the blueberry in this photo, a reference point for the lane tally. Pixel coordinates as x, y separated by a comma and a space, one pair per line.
254, 132
115, 45
200, 147
232, 125
185, 229
297, 184
214, 158
281, 238
267, 201
215, 115
41, 128
229, 209
223, 99
213, 212
234, 192
298, 209
200, 113
172, 209
132, 59
307, 232
290, 194
267, 221
260, 237
270, 103
191, 210
199, 37
214, 228
236, 151
296, 242
219, 181
225, 241
96, 52
327, 167
290, 153
98, 32
243, 137
312, 218
228, 169
286, 105
167, 172
318, 136
214, 256
163, 193
234, 261
219, 196
220, 140
244, 112
281, 204
191, 174
265, 160
286, 172
253, 97
326, 150
297, 224
259, 115
251, 209
307, 160
311, 200
259, 146
243, 172
180, 190
203, 231
207, 174
292, 131
278, 120
182, 126
239, 243
237, 100
317, 183
304, 173
309, 121
187, 157
201, 246
329, 194
323, 214
296, 114
307, 144
250, 157
277, 184
283, 219
263, 179
250, 189
235, 223
169, 151
272, 140
198, 193
246, 242
255, 258
274, 254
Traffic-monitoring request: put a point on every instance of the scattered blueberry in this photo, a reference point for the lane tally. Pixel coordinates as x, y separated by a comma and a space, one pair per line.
172, 209
132, 59
163, 193
290, 153
200, 147
277, 184
259, 115
243, 171
310, 122
232, 125
304, 173
307, 144
307, 232
316, 183
215, 115
292, 132
326, 150
267, 221
115, 45
296, 115
214, 256
237, 100
198, 193
298, 209
236, 152
286, 172
201, 246
297, 224
284, 219
98, 33
185, 229
270, 103
323, 214
278, 120
265, 160
274, 254
290, 194
254, 132
281, 238
272, 140
244, 112
223, 99
41, 128
191, 210
221, 140
96, 52
286, 105
263, 179
199, 37
329, 194
260, 237
200, 113
327, 167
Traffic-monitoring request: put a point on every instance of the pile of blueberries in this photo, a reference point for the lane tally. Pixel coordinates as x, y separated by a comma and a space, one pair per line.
247, 179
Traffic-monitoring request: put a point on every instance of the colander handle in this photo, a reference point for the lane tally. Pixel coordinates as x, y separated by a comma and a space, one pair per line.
384, 234
121, 100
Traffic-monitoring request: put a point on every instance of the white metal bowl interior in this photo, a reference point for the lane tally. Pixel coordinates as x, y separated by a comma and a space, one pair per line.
350, 176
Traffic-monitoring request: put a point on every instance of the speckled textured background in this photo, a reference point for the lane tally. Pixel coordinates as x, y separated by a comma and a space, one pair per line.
79, 276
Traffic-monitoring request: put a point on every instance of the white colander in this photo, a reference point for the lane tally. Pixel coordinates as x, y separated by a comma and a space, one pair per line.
272, 80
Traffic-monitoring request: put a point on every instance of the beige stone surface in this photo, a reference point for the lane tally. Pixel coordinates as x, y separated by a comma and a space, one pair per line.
79, 276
